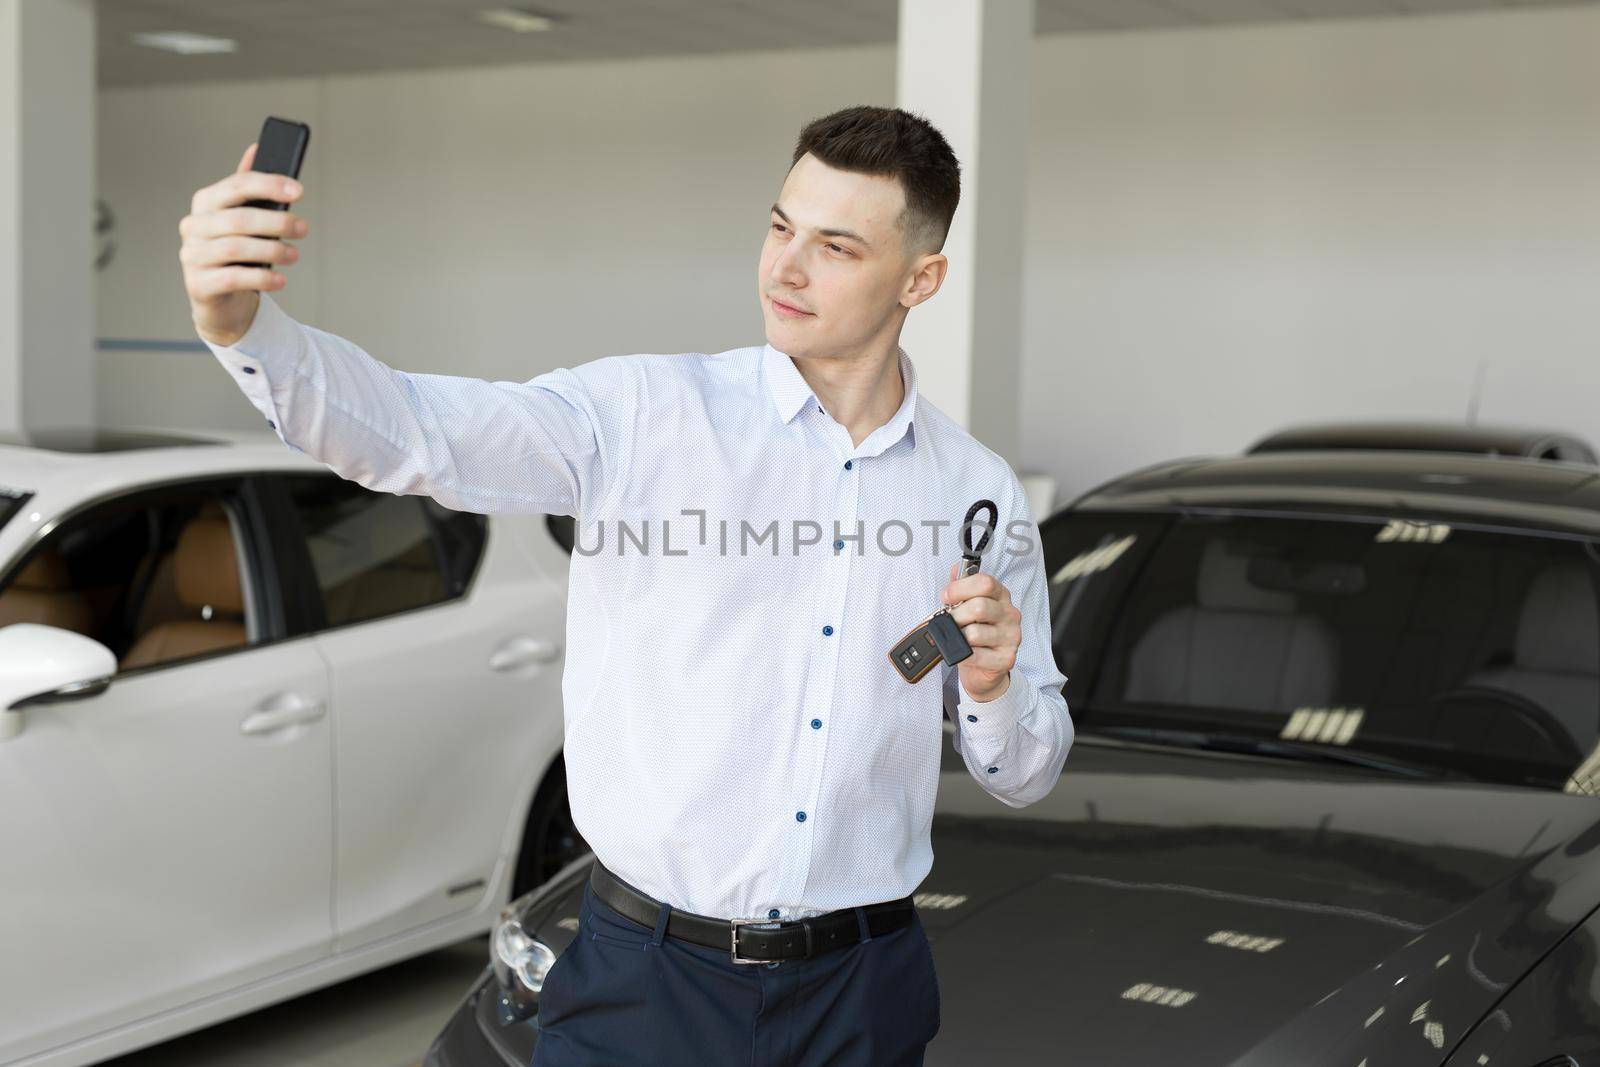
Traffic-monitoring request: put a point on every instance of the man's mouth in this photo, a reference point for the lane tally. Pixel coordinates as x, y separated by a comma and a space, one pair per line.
787, 310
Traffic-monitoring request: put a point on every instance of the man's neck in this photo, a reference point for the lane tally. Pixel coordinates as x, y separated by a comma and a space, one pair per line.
861, 392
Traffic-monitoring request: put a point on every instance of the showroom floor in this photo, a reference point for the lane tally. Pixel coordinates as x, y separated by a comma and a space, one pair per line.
383, 1019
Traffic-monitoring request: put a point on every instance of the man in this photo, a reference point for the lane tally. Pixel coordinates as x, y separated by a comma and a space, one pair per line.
756, 529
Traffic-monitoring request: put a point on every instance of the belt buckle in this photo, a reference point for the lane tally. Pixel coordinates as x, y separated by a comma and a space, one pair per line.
733, 946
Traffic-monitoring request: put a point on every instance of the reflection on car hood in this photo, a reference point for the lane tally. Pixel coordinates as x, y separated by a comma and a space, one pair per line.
1166, 906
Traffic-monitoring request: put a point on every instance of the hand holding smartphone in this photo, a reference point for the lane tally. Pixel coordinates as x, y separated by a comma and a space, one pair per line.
239, 228
280, 149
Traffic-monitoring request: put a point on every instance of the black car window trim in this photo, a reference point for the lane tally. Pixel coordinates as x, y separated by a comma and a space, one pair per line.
437, 530
564, 529
302, 585
243, 490
12, 501
441, 558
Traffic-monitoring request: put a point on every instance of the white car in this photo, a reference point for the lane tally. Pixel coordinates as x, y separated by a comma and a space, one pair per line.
261, 729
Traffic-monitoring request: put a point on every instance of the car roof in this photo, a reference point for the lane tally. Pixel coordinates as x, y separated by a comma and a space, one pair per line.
91, 440
66, 461
1424, 436
1538, 494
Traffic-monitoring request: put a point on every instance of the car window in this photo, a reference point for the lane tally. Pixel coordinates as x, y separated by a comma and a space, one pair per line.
376, 554
1475, 649
157, 577
1090, 559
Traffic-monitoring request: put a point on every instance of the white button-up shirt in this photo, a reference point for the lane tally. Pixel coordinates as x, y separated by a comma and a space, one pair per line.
738, 743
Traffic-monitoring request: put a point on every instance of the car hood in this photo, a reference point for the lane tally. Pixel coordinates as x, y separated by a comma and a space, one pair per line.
1172, 906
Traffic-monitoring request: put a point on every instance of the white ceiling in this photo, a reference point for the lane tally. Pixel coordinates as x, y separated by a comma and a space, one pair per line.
284, 38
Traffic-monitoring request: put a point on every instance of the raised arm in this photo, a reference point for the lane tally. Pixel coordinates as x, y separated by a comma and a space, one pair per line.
559, 443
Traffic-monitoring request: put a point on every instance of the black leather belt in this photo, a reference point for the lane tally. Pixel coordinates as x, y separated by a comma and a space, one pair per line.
754, 940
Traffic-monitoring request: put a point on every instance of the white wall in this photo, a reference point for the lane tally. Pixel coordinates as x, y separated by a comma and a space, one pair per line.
497, 222
1230, 229
1233, 230
156, 147
47, 111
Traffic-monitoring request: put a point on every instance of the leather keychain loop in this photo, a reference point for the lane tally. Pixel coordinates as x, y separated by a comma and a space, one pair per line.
938, 637
971, 558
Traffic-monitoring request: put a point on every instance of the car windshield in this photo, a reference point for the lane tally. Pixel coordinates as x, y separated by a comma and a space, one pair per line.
1395, 644
11, 501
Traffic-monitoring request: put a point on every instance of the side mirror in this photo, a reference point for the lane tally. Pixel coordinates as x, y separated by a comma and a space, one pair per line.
45, 664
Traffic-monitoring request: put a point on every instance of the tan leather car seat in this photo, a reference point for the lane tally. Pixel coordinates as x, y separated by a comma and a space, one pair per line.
43, 593
206, 572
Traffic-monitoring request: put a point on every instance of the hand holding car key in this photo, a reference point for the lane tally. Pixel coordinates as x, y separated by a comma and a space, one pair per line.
939, 636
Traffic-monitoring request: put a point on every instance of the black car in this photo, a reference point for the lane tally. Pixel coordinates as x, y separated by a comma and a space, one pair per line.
1332, 799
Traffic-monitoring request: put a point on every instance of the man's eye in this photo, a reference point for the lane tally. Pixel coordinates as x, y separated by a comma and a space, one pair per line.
778, 227
837, 248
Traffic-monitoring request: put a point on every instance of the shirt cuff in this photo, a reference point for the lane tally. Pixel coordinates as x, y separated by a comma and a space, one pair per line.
271, 344
991, 719
269, 351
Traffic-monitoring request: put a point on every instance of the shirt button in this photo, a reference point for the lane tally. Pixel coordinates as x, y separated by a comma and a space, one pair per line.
799, 816
827, 631
816, 724
773, 914
837, 545
272, 424
972, 718
993, 769
849, 463
248, 370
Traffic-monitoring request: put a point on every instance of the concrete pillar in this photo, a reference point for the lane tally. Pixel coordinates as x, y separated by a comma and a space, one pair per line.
965, 66
47, 167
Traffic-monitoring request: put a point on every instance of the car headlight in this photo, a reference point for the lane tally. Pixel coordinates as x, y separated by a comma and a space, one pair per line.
519, 957
520, 962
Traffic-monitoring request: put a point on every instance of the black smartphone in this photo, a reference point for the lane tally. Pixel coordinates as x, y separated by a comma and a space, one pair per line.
280, 149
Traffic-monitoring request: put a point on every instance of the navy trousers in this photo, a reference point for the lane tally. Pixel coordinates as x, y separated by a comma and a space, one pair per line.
625, 995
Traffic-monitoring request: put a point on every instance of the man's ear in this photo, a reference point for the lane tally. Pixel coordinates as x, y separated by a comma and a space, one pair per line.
927, 274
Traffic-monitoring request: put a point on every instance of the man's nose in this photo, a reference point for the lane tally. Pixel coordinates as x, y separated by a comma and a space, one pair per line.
787, 269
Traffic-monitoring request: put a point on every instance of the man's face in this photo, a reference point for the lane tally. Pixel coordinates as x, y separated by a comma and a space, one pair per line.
835, 254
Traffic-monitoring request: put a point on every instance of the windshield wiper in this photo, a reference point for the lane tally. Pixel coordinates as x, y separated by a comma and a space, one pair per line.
1252, 745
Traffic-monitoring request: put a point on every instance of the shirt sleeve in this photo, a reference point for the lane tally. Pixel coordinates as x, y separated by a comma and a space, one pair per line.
560, 443
1016, 744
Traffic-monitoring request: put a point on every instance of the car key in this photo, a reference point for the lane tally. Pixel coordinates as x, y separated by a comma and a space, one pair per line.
938, 637
953, 644
916, 653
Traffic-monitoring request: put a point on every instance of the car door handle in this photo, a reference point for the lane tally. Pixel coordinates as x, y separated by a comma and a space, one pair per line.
522, 652
284, 711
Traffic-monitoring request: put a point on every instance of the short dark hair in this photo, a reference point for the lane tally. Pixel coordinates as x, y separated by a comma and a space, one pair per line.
894, 143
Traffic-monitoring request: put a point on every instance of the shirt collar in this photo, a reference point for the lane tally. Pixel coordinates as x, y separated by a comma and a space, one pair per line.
790, 394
